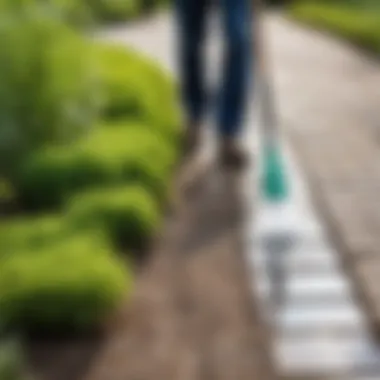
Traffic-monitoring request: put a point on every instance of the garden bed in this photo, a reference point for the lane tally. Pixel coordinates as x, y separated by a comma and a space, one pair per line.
89, 141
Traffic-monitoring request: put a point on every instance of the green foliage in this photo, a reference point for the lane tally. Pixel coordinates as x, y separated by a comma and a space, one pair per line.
126, 153
29, 234
143, 156
7, 192
50, 176
74, 283
48, 85
137, 88
121, 10
114, 10
358, 23
79, 12
129, 214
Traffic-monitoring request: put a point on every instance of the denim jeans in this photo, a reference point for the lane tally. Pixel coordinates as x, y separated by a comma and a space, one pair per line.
192, 16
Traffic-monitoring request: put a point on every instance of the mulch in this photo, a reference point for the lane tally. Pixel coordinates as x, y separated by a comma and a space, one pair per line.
192, 315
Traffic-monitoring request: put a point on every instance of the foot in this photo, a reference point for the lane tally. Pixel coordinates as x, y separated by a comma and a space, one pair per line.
191, 140
232, 154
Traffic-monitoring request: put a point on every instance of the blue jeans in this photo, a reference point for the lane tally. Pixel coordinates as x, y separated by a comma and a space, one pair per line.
236, 20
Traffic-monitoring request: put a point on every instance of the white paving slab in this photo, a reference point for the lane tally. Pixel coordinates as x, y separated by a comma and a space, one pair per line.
344, 354
319, 328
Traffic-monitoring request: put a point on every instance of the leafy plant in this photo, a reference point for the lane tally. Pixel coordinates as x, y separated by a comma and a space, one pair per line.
128, 214
48, 83
126, 153
72, 284
28, 234
134, 87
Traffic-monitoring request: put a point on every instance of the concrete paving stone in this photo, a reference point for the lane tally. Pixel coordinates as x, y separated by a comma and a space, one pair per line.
309, 283
303, 287
310, 264
315, 298
294, 245
309, 319
325, 355
326, 93
320, 302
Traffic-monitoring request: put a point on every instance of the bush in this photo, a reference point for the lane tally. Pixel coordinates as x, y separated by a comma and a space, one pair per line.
50, 176
128, 214
48, 87
358, 25
74, 283
145, 157
29, 233
114, 10
76, 13
121, 10
127, 153
135, 87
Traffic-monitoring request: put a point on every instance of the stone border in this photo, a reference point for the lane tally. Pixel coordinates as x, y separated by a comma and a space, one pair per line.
334, 234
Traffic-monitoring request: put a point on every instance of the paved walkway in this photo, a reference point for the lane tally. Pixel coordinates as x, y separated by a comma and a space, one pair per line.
325, 92
328, 97
192, 317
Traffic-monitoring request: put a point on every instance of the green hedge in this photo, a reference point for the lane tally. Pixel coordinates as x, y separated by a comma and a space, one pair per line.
114, 10
74, 283
48, 91
29, 233
92, 131
128, 153
128, 214
83, 12
358, 24
122, 10
138, 88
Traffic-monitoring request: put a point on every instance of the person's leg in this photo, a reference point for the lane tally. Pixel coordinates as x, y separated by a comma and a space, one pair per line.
191, 18
238, 32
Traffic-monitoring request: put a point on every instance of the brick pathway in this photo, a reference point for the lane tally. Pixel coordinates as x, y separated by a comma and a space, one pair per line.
192, 317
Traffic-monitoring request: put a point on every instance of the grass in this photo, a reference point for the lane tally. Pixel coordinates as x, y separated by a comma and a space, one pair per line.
356, 22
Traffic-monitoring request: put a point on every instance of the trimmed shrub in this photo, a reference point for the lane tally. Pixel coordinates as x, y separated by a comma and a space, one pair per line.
29, 233
128, 214
145, 157
127, 153
48, 85
121, 10
80, 12
135, 87
7, 192
76, 13
49, 177
114, 10
75, 283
